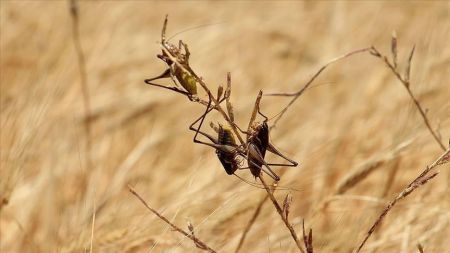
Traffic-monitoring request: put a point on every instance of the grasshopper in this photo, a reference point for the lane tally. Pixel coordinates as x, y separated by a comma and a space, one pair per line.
228, 152
178, 66
231, 155
258, 143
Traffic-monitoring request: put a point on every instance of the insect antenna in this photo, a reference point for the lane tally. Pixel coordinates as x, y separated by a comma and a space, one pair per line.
194, 28
260, 186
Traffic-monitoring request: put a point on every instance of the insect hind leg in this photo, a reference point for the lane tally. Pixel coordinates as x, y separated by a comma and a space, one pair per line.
257, 160
275, 151
197, 130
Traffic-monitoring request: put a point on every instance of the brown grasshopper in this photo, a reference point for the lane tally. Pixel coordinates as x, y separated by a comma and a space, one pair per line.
231, 155
258, 143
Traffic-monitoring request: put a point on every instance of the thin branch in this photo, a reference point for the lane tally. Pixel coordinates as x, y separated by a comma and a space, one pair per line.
422, 179
406, 83
197, 242
258, 211
297, 94
187, 69
207, 90
307, 239
251, 222
83, 79
283, 217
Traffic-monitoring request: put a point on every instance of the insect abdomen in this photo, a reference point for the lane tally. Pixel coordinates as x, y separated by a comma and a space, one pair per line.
227, 159
187, 81
260, 141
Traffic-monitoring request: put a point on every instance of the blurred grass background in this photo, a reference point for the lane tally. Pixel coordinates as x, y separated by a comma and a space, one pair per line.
357, 113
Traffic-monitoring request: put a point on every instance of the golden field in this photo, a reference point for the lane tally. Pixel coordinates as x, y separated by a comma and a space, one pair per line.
356, 115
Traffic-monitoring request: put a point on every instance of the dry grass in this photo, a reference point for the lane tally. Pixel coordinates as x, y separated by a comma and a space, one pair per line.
139, 133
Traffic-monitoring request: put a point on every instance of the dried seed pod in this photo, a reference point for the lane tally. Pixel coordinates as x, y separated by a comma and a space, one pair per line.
214, 127
394, 48
408, 65
219, 92
286, 205
228, 89
230, 111
190, 227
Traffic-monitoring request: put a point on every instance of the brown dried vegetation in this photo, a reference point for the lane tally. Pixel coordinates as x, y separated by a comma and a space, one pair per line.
78, 126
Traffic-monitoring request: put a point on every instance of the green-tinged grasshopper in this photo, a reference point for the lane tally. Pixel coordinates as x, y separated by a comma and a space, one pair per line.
178, 66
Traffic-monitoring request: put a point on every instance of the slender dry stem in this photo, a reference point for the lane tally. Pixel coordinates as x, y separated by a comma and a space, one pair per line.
406, 83
281, 213
228, 118
307, 239
207, 90
198, 243
422, 179
83, 79
297, 94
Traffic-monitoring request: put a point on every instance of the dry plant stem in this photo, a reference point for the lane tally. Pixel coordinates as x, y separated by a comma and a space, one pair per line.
297, 94
251, 222
233, 127
83, 78
208, 91
307, 239
254, 217
422, 179
280, 212
406, 83
197, 242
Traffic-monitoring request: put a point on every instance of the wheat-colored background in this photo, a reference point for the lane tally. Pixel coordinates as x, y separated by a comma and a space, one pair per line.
358, 113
